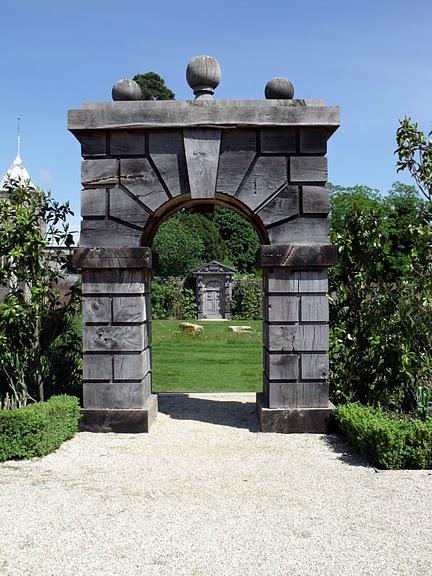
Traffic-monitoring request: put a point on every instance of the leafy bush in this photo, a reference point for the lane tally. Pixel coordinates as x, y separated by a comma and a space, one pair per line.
247, 298
33, 311
388, 441
381, 305
170, 299
38, 429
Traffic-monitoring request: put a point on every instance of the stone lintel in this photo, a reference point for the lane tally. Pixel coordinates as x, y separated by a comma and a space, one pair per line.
202, 113
121, 421
295, 421
114, 257
297, 256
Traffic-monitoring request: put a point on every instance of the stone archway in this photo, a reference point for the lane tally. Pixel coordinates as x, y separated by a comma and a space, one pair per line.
142, 160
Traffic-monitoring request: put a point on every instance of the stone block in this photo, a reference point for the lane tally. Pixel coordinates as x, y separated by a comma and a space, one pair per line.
130, 421
315, 200
127, 143
313, 141
129, 309
285, 280
296, 338
284, 205
301, 231
202, 146
267, 177
281, 366
314, 366
308, 169
97, 367
94, 202
167, 153
96, 309
314, 309
129, 338
93, 143
99, 172
124, 206
282, 309
108, 233
114, 281
237, 152
278, 140
130, 367
295, 421
138, 176
296, 256
297, 394
110, 257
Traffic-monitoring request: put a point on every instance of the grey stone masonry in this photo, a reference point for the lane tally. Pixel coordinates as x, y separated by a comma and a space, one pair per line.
144, 160
116, 333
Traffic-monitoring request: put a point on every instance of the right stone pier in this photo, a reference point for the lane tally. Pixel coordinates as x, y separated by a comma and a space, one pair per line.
295, 397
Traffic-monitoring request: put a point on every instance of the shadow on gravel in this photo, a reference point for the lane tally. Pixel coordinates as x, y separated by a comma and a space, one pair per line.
219, 412
344, 452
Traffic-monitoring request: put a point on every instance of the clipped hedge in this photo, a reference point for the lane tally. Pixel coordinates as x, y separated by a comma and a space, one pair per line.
38, 429
389, 442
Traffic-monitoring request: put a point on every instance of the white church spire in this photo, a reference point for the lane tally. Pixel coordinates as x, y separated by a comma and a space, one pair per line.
17, 170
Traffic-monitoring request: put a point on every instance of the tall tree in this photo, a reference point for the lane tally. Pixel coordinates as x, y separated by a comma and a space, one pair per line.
178, 248
153, 87
241, 240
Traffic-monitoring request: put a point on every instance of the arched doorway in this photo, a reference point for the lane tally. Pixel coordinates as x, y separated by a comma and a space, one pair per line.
144, 160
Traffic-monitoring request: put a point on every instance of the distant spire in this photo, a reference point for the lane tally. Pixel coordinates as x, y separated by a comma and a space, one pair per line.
19, 135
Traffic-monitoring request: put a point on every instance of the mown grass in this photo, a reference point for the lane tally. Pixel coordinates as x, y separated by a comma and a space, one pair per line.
215, 361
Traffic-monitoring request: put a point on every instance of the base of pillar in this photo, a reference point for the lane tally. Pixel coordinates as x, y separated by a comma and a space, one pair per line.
294, 420
131, 421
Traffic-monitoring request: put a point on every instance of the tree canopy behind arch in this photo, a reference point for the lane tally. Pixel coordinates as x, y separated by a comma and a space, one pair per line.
153, 87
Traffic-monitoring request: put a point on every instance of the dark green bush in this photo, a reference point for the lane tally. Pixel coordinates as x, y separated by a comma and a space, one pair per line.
38, 429
247, 298
172, 300
388, 441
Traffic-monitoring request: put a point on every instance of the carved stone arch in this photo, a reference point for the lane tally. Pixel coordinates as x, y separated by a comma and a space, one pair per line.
142, 160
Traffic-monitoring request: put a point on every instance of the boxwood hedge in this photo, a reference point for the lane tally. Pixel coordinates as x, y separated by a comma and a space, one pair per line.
38, 429
388, 441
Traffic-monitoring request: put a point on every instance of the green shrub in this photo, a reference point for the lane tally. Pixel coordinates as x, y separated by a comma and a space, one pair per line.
38, 429
172, 300
388, 441
247, 299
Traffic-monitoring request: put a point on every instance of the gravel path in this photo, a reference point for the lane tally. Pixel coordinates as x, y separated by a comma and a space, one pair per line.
206, 494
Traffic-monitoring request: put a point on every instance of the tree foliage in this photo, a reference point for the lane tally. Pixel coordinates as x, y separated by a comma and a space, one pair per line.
241, 240
415, 155
178, 247
153, 87
203, 227
381, 300
33, 313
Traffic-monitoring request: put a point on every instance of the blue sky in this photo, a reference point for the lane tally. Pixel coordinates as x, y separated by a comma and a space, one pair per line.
371, 58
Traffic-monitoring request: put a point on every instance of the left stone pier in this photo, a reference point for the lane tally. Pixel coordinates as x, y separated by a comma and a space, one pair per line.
116, 339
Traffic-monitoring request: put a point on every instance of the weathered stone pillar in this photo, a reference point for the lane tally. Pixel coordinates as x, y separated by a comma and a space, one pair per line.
295, 391
117, 338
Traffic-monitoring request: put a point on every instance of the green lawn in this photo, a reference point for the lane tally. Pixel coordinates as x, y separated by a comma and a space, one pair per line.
215, 361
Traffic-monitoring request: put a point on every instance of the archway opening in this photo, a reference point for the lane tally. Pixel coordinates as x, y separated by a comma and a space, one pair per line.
206, 277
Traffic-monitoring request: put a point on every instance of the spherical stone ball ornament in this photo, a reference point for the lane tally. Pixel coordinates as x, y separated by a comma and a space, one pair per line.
203, 74
126, 90
279, 89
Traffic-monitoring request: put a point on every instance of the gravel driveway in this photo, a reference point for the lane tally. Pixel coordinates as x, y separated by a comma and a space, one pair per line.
206, 494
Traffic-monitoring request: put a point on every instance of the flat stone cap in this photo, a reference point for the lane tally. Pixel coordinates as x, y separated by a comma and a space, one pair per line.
114, 257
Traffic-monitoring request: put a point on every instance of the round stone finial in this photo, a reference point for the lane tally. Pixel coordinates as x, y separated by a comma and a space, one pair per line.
203, 74
279, 89
126, 90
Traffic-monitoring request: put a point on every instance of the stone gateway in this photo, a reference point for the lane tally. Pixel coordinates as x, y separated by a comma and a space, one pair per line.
143, 161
